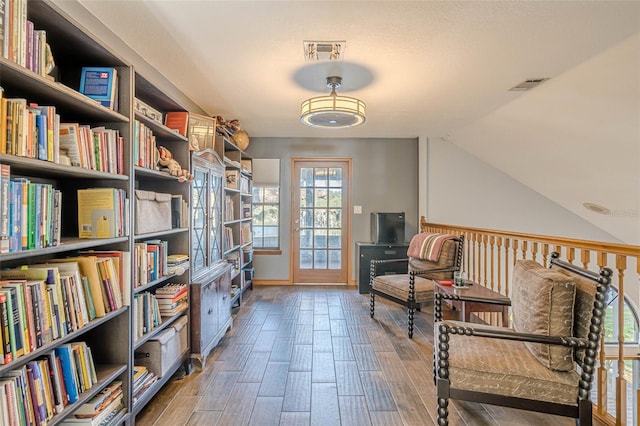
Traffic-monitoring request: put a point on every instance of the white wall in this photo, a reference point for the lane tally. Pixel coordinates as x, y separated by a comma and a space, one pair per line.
463, 190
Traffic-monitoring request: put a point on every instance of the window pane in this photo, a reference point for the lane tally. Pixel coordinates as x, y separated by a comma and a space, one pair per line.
335, 240
306, 218
306, 259
271, 217
320, 259
271, 239
320, 239
306, 197
320, 218
335, 198
320, 198
335, 259
306, 177
335, 218
271, 195
335, 177
258, 215
321, 178
305, 238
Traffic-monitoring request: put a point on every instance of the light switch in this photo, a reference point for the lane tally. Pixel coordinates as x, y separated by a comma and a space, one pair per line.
357, 209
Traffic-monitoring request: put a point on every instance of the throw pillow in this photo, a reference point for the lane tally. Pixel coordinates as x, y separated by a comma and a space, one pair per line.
542, 302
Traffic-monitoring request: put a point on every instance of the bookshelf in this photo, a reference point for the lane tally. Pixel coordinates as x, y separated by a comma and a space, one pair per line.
113, 337
161, 226
107, 336
238, 248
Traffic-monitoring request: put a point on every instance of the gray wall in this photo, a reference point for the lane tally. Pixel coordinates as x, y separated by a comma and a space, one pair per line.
385, 178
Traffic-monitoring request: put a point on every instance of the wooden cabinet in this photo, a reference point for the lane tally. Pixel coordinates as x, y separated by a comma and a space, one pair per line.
210, 312
211, 275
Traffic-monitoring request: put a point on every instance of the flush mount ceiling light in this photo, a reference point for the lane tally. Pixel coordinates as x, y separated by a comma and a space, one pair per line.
333, 111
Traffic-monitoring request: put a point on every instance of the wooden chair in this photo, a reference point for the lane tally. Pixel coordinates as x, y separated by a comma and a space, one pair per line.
415, 288
545, 363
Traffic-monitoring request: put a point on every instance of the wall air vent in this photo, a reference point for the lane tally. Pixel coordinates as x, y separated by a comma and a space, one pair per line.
528, 84
315, 51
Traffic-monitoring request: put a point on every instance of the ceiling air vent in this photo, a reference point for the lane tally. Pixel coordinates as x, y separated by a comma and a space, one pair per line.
528, 84
315, 51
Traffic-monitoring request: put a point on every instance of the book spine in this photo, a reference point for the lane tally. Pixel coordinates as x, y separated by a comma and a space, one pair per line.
5, 176
37, 315
37, 392
4, 329
68, 372
17, 329
30, 318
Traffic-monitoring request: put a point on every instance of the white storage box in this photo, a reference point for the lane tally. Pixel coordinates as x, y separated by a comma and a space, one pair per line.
160, 353
153, 212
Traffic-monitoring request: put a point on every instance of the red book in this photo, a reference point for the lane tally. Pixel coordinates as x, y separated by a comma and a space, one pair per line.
177, 120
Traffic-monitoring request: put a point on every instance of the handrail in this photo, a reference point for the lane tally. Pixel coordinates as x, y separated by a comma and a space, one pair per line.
489, 257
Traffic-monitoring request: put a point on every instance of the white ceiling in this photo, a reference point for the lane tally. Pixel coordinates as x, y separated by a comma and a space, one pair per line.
436, 69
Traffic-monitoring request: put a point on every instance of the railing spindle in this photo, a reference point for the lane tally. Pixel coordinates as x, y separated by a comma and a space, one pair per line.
621, 383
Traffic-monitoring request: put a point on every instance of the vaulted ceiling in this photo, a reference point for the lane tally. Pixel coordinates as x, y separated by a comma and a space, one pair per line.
436, 69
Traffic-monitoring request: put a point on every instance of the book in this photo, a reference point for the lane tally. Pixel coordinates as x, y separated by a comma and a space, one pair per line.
98, 403
97, 213
15, 327
69, 372
70, 144
100, 84
177, 120
5, 172
36, 385
97, 420
4, 330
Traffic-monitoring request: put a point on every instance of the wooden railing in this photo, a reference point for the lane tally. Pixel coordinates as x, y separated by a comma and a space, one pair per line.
489, 257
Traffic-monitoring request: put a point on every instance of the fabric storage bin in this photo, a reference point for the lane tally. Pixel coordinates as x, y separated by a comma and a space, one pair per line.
181, 331
159, 353
152, 211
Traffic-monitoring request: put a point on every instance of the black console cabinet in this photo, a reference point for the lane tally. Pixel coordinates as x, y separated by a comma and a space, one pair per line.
370, 251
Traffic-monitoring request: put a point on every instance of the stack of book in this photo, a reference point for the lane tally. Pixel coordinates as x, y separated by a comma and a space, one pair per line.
102, 409
145, 152
150, 261
245, 184
96, 148
228, 208
45, 302
142, 380
146, 314
42, 388
30, 213
172, 299
228, 238
177, 263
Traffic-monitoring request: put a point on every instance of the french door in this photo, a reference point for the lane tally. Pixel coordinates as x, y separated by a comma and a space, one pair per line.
320, 230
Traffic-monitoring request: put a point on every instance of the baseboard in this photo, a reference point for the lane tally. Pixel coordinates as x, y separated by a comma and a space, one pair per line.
271, 282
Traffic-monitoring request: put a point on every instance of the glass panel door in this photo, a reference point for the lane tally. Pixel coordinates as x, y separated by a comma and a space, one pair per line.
320, 221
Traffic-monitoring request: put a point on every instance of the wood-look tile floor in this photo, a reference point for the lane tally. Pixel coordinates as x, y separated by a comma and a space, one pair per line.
302, 355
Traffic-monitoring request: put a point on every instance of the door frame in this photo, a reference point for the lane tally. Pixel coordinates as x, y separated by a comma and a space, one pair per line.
346, 221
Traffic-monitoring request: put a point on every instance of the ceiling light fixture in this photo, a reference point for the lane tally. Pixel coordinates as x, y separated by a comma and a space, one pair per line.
333, 111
